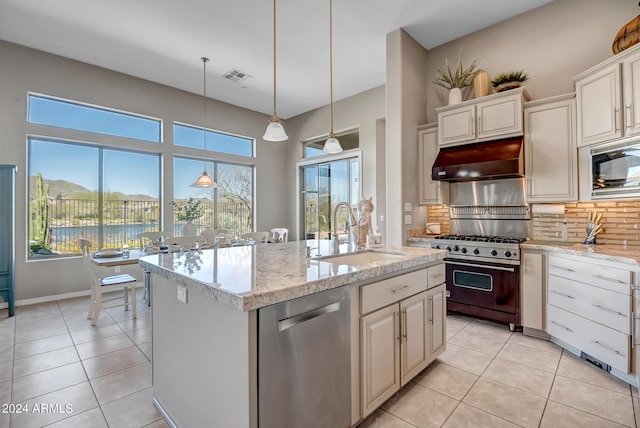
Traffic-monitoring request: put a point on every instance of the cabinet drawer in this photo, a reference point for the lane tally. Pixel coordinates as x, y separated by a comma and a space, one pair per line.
436, 275
611, 278
602, 306
602, 342
387, 291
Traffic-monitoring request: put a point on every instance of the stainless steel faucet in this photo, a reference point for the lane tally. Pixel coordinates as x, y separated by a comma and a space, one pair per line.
353, 223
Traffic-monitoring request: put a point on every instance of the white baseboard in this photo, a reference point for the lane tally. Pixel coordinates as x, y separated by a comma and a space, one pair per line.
45, 299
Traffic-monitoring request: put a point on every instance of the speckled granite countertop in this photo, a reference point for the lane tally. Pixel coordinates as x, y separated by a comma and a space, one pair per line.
252, 277
615, 253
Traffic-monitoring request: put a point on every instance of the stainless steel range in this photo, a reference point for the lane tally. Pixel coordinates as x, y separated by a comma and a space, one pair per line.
489, 219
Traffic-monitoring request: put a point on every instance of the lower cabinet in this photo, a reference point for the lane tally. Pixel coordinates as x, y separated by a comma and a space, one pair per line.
533, 290
400, 339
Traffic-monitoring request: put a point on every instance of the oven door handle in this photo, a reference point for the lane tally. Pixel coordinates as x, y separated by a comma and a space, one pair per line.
507, 269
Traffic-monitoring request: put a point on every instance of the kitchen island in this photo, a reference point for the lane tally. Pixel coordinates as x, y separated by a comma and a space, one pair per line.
206, 351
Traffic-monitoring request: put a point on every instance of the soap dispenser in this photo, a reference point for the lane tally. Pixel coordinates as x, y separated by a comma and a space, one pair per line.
565, 232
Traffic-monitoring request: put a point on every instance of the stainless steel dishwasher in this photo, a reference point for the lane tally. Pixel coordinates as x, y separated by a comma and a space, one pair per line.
304, 376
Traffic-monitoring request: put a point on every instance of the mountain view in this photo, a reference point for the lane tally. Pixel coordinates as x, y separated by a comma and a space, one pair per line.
62, 189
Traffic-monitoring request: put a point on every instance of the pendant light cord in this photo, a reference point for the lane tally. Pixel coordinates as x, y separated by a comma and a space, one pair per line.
274, 59
204, 122
331, 64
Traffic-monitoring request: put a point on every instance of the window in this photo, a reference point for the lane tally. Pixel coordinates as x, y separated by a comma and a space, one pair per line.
349, 140
101, 194
72, 115
190, 136
229, 206
324, 186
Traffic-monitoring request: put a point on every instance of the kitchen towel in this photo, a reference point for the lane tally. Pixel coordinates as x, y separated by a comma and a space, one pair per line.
547, 209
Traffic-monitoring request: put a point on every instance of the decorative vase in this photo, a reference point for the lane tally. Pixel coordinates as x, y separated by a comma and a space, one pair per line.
455, 96
189, 229
481, 84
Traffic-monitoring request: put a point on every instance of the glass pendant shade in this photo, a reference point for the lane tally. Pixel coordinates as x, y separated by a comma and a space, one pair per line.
332, 145
275, 131
205, 179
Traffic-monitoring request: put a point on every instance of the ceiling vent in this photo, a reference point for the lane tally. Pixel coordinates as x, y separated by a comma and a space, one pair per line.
236, 75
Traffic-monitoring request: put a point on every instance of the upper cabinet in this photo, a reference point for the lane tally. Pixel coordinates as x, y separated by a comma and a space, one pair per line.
427, 152
551, 155
608, 99
487, 118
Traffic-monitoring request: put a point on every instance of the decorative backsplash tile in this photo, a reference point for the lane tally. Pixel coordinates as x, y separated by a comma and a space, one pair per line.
620, 222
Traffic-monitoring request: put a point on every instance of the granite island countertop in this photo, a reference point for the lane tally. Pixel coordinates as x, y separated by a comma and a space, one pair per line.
616, 253
254, 276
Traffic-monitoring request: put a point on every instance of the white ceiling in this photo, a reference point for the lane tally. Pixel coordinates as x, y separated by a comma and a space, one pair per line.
163, 40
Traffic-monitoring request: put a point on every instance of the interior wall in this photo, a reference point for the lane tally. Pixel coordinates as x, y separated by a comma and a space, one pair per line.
360, 111
23, 70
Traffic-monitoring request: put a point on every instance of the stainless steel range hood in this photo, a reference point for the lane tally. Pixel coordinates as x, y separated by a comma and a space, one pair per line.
480, 161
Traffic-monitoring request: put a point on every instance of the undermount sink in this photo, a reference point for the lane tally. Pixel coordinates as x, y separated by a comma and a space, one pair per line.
361, 257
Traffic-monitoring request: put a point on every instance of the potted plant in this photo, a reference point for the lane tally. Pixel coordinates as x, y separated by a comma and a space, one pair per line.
455, 81
510, 80
188, 212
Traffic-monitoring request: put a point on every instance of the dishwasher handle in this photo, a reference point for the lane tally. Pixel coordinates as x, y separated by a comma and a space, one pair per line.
287, 323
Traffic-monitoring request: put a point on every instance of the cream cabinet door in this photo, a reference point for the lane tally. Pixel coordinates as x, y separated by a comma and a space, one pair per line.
598, 97
631, 94
427, 152
533, 293
457, 125
380, 355
414, 336
551, 154
437, 319
499, 118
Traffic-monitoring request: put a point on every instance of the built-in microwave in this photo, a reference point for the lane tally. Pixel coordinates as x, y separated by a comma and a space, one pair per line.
615, 169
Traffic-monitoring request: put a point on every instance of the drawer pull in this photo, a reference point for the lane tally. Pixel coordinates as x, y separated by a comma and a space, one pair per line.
400, 289
608, 348
617, 281
608, 310
563, 268
439, 275
568, 296
636, 331
561, 326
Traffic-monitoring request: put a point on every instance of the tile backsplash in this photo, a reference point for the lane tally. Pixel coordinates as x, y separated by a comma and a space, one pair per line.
620, 222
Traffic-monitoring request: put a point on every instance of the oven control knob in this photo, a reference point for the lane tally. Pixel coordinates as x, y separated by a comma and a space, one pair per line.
463, 250
455, 248
437, 247
448, 248
494, 253
507, 253
476, 251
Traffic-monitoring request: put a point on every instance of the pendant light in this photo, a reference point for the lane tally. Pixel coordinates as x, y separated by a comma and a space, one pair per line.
275, 131
332, 145
205, 179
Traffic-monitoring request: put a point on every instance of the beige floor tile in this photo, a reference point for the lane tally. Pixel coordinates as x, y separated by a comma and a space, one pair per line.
536, 358
120, 315
382, 419
120, 384
80, 321
135, 324
90, 419
31, 322
5, 418
163, 424
5, 392
556, 415
140, 336
447, 380
489, 345
65, 403
6, 371
45, 361
575, 368
40, 346
133, 410
488, 328
465, 359
6, 353
113, 362
47, 381
96, 332
525, 378
593, 399
465, 416
455, 324
104, 346
505, 402
146, 349
40, 333
534, 342
420, 406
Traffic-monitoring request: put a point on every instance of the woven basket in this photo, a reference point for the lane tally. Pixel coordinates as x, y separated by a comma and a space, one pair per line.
481, 84
628, 36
